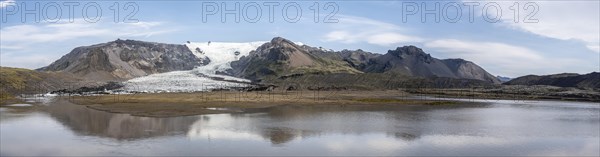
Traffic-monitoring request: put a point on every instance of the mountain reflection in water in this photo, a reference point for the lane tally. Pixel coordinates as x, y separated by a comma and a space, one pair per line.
279, 124
500, 128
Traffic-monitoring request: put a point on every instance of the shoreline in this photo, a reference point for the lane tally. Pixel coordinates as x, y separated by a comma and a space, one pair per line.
187, 104
217, 102
503, 94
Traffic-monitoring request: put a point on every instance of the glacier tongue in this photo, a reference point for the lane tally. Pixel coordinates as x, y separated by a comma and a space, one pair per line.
176, 81
203, 78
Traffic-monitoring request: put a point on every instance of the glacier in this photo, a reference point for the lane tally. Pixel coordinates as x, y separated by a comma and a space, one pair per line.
202, 78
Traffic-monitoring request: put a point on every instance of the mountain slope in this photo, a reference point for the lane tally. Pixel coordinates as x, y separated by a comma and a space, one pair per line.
467, 69
125, 59
587, 81
354, 58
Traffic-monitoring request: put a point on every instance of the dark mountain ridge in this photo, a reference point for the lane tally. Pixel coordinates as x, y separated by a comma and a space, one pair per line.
282, 61
412, 61
585, 81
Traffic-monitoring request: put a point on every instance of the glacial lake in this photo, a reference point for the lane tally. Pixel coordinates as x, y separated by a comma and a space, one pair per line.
486, 127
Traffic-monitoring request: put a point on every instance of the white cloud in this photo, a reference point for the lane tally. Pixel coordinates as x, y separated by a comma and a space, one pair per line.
390, 38
29, 61
507, 60
352, 29
37, 45
564, 20
40, 34
6, 3
497, 58
25, 35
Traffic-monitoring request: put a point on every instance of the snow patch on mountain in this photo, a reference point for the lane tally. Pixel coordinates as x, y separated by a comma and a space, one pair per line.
203, 78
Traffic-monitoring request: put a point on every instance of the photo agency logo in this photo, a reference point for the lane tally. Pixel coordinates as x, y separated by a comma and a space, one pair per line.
126, 11
453, 12
411, 11
253, 12
67, 11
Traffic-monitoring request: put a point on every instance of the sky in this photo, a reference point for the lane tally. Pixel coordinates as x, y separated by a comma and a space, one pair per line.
507, 38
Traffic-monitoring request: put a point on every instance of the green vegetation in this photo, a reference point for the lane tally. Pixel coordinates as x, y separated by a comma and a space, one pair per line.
16, 81
325, 69
15, 78
5, 97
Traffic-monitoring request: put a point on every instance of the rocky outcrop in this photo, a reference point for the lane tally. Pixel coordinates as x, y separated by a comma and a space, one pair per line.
125, 59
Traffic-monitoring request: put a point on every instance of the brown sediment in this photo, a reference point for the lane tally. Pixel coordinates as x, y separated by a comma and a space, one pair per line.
184, 104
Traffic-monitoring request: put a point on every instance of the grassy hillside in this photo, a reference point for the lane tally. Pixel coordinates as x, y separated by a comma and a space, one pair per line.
16, 81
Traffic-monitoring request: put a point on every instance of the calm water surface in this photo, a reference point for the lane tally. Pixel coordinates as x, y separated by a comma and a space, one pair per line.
541, 128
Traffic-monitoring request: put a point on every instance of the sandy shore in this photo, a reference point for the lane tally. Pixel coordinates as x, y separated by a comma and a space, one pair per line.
182, 104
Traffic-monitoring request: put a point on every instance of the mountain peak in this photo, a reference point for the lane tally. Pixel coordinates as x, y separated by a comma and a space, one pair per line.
133, 42
277, 40
409, 50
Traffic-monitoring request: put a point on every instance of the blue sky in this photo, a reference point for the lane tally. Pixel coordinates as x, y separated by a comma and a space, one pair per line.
561, 36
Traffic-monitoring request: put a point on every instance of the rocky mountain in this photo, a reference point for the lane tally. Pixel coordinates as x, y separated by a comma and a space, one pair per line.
357, 58
412, 61
125, 59
282, 58
586, 81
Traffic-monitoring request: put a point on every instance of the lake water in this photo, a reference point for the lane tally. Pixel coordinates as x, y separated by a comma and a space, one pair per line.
538, 128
